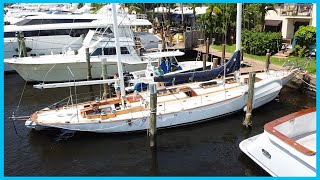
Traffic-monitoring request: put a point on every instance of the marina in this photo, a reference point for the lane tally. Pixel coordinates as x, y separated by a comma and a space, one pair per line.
157, 98
210, 148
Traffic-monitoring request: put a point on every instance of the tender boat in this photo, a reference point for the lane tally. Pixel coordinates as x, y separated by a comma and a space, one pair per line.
287, 147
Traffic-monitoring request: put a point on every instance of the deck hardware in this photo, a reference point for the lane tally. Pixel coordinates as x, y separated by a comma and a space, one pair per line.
129, 122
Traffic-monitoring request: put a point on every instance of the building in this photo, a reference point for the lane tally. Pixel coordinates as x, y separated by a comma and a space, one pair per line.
289, 17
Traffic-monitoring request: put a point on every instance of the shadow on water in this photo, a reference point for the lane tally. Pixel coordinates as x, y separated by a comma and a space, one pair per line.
209, 148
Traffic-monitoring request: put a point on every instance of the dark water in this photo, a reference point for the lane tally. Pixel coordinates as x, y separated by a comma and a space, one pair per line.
209, 148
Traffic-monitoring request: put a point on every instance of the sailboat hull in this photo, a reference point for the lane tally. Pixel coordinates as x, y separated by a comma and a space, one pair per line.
179, 118
173, 113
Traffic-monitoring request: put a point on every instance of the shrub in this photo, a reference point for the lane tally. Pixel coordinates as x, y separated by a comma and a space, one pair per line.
258, 43
305, 39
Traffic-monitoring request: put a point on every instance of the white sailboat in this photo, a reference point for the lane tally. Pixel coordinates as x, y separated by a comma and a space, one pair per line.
287, 147
178, 105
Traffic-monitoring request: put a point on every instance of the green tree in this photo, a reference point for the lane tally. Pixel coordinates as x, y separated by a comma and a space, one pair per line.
305, 40
80, 5
219, 21
254, 15
193, 7
96, 6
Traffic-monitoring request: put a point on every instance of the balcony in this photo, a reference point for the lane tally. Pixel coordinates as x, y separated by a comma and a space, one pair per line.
296, 10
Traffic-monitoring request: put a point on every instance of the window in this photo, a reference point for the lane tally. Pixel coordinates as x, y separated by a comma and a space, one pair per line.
109, 51
97, 52
124, 50
9, 34
52, 21
109, 30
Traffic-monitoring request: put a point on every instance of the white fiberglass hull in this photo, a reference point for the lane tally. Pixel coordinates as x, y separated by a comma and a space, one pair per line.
34, 70
40, 45
173, 113
163, 120
287, 147
60, 72
274, 158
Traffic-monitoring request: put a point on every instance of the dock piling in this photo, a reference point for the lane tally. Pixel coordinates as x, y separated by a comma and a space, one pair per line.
171, 39
153, 115
241, 54
22, 50
163, 38
89, 77
205, 58
104, 76
267, 61
215, 62
223, 56
248, 122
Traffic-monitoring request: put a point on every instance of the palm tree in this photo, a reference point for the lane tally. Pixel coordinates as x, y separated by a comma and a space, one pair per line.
193, 6
220, 20
254, 15
211, 20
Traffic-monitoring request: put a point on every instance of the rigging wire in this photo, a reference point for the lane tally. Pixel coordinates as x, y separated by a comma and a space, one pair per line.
13, 113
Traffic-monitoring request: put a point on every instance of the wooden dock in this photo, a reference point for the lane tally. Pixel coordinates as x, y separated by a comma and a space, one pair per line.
254, 65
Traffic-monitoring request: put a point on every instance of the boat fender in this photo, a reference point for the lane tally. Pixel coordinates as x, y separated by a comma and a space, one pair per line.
245, 109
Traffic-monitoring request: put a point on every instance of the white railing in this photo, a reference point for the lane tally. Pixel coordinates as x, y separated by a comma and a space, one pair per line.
296, 10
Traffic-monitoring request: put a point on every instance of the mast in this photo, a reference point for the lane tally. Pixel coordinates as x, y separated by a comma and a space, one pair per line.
238, 36
118, 52
238, 30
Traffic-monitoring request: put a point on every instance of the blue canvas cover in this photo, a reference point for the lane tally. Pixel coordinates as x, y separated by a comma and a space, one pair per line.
231, 66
